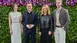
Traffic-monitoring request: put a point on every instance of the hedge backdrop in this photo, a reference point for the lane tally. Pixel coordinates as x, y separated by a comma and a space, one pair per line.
71, 36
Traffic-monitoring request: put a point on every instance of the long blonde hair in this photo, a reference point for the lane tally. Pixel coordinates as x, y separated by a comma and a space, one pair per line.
48, 9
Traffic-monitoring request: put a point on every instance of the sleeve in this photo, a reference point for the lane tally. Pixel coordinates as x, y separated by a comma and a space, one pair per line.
67, 18
23, 20
36, 20
39, 24
51, 22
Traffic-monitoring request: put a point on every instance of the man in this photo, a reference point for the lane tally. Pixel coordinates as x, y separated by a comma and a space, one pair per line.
29, 21
61, 21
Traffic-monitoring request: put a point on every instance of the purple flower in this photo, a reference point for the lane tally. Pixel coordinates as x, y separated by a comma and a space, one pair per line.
8, 2
75, 1
34, 2
72, 2
0, 2
4, 3
67, 2
20, 1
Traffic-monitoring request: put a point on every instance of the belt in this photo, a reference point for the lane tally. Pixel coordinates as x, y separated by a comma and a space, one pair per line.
15, 22
58, 26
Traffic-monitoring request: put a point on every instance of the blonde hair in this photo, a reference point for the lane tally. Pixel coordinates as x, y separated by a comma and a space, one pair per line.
48, 9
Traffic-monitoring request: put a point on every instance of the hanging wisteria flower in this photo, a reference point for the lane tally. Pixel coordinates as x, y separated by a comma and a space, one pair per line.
34, 2
67, 2
72, 2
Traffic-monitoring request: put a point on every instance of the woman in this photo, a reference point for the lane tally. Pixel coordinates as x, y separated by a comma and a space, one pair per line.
45, 25
15, 25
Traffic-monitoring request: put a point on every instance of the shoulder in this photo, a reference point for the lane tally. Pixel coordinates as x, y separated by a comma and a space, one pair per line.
49, 16
40, 16
10, 13
34, 13
24, 13
66, 10
54, 11
20, 13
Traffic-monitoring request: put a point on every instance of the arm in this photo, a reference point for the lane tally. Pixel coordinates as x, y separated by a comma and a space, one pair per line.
52, 22
36, 21
39, 25
23, 20
10, 24
51, 25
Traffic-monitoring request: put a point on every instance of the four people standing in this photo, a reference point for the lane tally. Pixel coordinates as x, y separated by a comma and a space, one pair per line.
56, 23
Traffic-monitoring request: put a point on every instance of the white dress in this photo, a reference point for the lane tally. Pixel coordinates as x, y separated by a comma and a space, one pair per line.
16, 28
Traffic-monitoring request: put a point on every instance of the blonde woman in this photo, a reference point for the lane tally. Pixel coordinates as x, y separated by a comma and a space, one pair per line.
45, 25
15, 25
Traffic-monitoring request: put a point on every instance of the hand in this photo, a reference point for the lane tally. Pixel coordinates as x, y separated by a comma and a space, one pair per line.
28, 26
58, 24
63, 27
49, 33
11, 32
22, 30
40, 33
31, 25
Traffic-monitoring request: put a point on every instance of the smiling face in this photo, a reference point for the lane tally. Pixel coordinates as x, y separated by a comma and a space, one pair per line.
58, 3
45, 10
29, 7
15, 7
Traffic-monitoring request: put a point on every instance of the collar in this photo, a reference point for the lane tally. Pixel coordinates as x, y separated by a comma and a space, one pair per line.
29, 13
59, 8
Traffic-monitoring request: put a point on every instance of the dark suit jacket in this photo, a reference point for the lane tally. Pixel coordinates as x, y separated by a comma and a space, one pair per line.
63, 17
25, 20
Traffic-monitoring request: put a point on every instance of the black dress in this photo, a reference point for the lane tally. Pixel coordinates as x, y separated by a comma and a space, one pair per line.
45, 25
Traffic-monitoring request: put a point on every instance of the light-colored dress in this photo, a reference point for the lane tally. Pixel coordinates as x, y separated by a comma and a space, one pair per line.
16, 28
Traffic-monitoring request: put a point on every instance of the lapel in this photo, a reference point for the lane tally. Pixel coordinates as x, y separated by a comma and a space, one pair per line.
32, 15
26, 16
54, 15
61, 11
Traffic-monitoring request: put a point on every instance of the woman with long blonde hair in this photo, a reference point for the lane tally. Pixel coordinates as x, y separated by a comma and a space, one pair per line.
45, 25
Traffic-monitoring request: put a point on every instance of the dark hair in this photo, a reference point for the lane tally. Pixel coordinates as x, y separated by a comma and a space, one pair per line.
12, 6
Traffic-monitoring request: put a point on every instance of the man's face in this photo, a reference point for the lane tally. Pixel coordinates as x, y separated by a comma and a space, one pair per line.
58, 3
29, 7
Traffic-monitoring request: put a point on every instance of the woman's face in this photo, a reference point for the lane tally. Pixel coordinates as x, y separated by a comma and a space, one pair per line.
15, 7
45, 10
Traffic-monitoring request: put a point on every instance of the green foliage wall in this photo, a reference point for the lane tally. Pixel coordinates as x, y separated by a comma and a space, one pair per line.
71, 36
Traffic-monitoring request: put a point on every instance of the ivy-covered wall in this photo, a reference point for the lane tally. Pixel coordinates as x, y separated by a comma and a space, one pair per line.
71, 36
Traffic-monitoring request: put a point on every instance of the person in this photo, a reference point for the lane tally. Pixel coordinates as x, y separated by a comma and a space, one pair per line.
29, 21
61, 20
15, 24
45, 25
